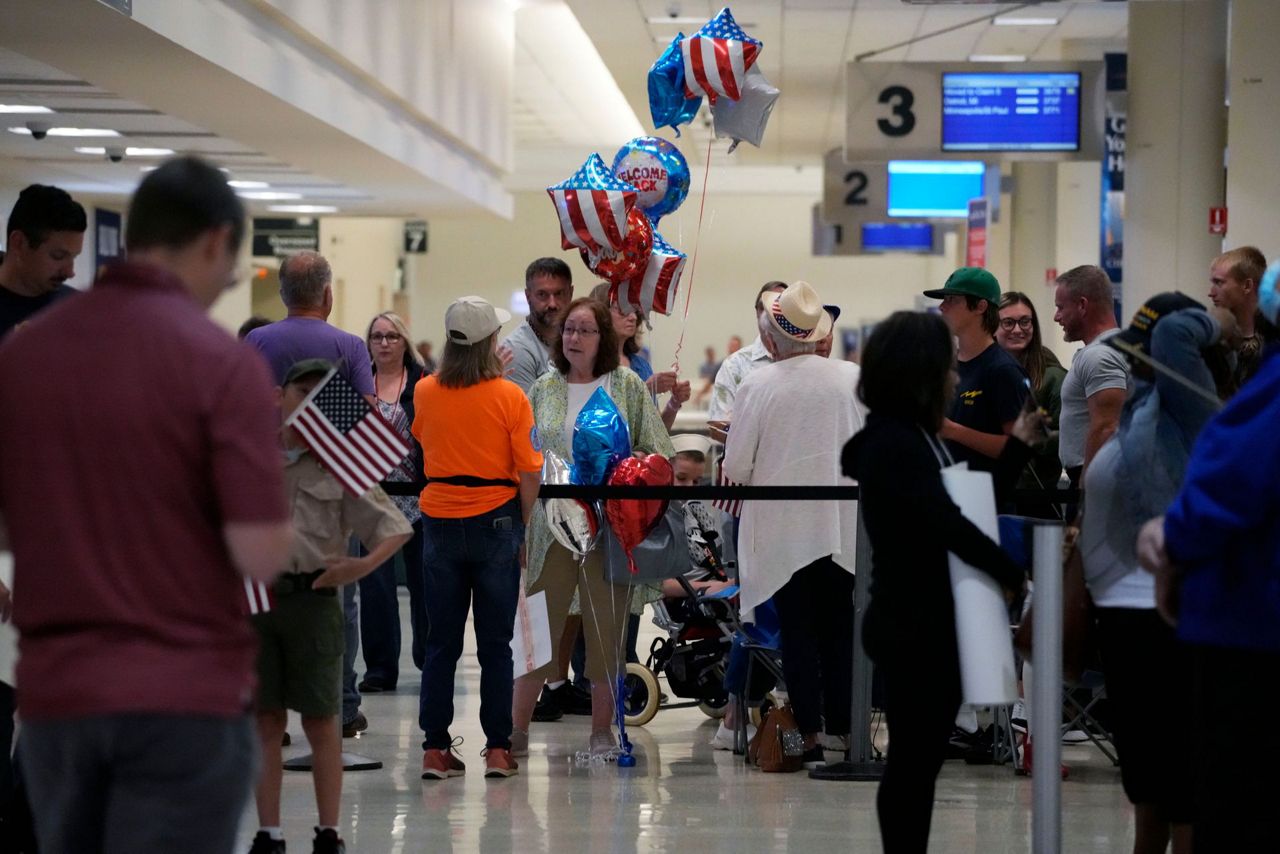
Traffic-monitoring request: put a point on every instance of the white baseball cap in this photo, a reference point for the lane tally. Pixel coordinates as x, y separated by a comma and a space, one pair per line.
470, 320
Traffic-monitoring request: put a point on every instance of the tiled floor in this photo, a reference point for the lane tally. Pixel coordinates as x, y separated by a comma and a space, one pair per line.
681, 796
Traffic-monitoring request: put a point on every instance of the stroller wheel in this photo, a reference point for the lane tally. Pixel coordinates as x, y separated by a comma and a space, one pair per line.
641, 702
715, 707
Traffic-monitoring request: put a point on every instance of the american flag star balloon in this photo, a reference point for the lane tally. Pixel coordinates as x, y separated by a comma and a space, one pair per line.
655, 288
717, 57
592, 206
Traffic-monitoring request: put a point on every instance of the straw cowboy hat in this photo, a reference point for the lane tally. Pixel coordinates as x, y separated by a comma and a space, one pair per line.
798, 313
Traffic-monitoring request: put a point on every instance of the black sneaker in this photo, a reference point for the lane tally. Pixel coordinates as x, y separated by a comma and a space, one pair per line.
355, 726
960, 743
264, 844
328, 842
546, 710
814, 758
568, 699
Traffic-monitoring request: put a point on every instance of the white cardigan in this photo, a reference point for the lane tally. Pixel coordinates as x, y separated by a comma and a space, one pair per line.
791, 420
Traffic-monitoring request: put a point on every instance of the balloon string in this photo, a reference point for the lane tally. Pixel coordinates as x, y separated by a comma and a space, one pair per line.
693, 265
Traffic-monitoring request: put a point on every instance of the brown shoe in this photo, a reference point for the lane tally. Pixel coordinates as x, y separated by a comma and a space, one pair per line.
498, 762
441, 764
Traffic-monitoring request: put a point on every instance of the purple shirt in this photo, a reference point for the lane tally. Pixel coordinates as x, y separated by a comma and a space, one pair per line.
296, 338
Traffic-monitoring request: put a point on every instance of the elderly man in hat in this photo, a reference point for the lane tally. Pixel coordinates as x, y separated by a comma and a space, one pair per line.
790, 420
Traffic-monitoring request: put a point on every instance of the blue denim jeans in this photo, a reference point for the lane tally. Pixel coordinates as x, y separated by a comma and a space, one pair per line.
380, 612
471, 562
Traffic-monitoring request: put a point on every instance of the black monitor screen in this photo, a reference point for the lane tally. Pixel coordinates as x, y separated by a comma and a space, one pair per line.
897, 237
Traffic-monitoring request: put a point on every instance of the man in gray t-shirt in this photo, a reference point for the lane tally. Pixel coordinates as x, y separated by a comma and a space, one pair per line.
548, 287
1094, 390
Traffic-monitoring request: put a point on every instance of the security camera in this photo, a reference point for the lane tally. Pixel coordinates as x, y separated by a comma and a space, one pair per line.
115, 153
39, 130
673, 10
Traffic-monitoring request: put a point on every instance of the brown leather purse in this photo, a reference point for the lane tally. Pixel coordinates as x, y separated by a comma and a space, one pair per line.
777, 746
1077, 615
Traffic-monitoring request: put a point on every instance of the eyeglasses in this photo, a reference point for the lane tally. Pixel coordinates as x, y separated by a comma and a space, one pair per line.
389, 337
570, 331
1024, 323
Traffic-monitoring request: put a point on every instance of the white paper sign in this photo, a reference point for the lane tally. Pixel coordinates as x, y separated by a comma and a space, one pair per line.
531, 638
983, 635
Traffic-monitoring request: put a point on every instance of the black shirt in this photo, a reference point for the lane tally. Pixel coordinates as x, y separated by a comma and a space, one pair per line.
15, 309
990, 394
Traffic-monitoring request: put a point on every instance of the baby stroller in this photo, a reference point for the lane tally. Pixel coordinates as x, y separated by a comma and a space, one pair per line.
700, 630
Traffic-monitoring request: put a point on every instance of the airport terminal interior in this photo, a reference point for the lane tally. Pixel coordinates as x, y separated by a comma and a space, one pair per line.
432, 149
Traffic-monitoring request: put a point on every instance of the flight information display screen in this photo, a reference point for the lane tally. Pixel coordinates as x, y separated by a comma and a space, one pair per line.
1011, 111
897, 237
934, 188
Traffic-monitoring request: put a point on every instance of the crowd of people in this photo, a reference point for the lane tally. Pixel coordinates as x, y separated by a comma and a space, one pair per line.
1163, 433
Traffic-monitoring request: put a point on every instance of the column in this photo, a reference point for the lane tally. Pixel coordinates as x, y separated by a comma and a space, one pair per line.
1176, 142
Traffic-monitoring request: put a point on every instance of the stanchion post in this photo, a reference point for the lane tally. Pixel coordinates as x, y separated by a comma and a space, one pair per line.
1046, 690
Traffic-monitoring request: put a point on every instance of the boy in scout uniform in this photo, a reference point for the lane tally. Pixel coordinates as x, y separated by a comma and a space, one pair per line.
301, 637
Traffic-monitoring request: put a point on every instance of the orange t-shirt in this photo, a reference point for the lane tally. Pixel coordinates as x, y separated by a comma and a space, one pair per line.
485, 431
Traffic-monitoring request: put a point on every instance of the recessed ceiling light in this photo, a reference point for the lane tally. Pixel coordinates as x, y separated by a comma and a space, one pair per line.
303, 209
69, 131
997, 57
268, 195
29, 109
685, 20
248, 185
129, 152
1009, 21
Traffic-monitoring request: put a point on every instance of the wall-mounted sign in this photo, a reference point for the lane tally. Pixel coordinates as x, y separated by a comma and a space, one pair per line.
1006, 111
975, 244
415, 237
278, 238
106, 237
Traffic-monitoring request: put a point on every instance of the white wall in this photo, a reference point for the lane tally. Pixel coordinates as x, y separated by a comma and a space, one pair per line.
1253, 181
363, 253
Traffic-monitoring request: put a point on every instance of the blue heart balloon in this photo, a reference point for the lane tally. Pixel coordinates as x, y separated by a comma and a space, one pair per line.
600, 440
667, 102
657, 170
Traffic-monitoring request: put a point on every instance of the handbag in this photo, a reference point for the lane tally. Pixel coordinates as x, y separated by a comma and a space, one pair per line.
1078, 642
663, 554
777, 747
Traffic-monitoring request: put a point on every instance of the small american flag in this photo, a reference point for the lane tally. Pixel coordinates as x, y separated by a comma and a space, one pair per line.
592, 206
350, 437
655, 289
732, 506
716, 58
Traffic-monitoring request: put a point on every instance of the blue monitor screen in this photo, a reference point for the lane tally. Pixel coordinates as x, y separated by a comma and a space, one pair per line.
1011, 111
897, 237
934, 188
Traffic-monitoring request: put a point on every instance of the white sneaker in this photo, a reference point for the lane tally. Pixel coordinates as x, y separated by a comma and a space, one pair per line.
835, 743
1075, 736
1018, 717
723, 739
519, 743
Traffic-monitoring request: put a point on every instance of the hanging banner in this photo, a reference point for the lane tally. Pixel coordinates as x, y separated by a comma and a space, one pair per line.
975, 243
1117, 106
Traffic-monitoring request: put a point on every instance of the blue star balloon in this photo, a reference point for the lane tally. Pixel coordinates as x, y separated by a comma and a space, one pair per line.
600, 440
668, 104
657, 170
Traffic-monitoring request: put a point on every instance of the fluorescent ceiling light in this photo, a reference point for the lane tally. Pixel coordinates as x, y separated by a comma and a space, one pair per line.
30, 109
268, 195
686, 20
248, 185
69, 131
1010, 21
129, 152
998, 57
303, 209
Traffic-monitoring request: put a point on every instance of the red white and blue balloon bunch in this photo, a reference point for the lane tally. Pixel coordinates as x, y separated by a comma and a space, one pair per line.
611, 214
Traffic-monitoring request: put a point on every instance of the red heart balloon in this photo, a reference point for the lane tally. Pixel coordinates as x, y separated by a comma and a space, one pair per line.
632, 258
633, 519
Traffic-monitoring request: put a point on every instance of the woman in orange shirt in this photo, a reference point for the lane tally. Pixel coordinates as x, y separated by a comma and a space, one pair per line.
483, 473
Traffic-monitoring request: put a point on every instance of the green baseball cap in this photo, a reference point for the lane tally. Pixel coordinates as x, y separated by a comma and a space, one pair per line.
305, 368
969, 281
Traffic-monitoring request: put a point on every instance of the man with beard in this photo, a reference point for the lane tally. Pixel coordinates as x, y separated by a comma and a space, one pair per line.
45, 234
548, 286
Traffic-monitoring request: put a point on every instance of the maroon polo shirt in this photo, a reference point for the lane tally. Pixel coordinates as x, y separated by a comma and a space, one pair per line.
132, 429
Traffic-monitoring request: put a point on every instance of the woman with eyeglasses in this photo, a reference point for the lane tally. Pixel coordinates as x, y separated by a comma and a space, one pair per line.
1019, 336
397, 367
585, 357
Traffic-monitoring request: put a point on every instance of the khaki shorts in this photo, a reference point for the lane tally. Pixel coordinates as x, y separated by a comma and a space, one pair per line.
300, 646
605, 608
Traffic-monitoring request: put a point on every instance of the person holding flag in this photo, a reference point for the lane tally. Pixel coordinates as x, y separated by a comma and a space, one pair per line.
331, 485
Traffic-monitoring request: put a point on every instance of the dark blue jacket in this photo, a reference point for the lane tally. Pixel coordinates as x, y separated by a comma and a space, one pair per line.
1223, 528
